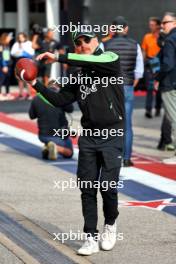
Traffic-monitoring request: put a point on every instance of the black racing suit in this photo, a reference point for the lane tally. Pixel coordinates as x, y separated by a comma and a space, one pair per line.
102, 108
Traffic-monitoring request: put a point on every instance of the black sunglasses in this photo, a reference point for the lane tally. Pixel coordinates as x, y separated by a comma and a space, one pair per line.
79, 42
165, 22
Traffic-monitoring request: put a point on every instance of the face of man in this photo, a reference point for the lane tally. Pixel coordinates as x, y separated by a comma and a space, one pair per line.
86, 45
153, 26
168, 23
78, 49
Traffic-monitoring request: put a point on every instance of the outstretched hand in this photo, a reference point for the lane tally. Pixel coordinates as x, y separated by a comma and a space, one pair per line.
48, 56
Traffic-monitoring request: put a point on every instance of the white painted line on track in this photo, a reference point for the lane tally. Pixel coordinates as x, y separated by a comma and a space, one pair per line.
131, 173
20, 134
149, 179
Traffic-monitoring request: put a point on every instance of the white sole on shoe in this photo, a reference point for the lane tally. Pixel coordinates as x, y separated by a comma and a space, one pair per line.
87, 254
105, 248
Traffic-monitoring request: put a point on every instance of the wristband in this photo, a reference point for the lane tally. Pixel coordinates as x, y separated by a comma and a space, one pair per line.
57, 56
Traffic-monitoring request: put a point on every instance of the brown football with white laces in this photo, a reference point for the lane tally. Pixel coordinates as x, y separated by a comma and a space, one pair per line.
26, 69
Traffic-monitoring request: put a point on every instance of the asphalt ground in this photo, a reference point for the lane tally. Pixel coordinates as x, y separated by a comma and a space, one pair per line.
28, 187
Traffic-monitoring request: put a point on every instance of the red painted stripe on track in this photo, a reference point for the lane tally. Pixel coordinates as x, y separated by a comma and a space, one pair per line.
167, 171
25, 125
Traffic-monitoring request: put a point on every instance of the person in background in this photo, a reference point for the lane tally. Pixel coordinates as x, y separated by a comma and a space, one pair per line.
42, 44
22, 48
110, 33
48, 119
166, 79
5, 65
150, 50
165, 141
132, 65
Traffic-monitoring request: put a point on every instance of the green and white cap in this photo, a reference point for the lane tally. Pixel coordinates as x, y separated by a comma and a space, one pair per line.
87, 33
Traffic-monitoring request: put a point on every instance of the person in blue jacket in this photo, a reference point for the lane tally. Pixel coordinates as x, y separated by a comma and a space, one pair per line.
5, 63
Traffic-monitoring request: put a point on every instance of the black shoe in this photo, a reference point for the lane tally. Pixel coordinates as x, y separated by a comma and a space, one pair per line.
148, 114
128, 163
157, 112
45, 154
161, 146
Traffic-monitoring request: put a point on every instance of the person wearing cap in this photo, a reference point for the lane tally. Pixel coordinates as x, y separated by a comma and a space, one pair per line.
102, 108
131, 60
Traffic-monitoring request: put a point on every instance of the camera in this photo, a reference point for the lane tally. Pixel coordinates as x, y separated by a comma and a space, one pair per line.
38, 30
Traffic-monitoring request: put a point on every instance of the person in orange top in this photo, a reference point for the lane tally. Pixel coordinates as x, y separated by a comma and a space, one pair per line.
149, 44
150, 50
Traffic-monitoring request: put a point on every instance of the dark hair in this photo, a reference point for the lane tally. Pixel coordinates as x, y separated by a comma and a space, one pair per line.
3, 38
24, 35
156, 20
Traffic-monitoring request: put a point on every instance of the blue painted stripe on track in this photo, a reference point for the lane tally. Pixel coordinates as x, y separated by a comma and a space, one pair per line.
131, 188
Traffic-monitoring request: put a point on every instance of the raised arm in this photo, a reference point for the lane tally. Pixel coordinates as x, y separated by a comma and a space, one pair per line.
107, 62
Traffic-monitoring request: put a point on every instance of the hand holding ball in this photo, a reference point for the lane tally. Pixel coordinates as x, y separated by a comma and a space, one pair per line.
26, 69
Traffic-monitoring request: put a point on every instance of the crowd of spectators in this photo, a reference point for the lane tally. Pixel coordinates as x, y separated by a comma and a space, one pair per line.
24, 46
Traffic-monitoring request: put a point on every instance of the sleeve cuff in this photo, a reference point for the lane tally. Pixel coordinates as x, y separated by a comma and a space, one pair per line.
63, 58
39, 87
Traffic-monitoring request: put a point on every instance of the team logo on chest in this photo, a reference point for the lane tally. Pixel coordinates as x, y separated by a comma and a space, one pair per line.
85, 90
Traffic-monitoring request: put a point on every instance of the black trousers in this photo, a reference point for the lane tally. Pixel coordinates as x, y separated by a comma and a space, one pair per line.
5, 80
158, 100
166, 131
99, 160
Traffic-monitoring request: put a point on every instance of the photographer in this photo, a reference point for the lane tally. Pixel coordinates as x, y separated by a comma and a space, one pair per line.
44, 41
